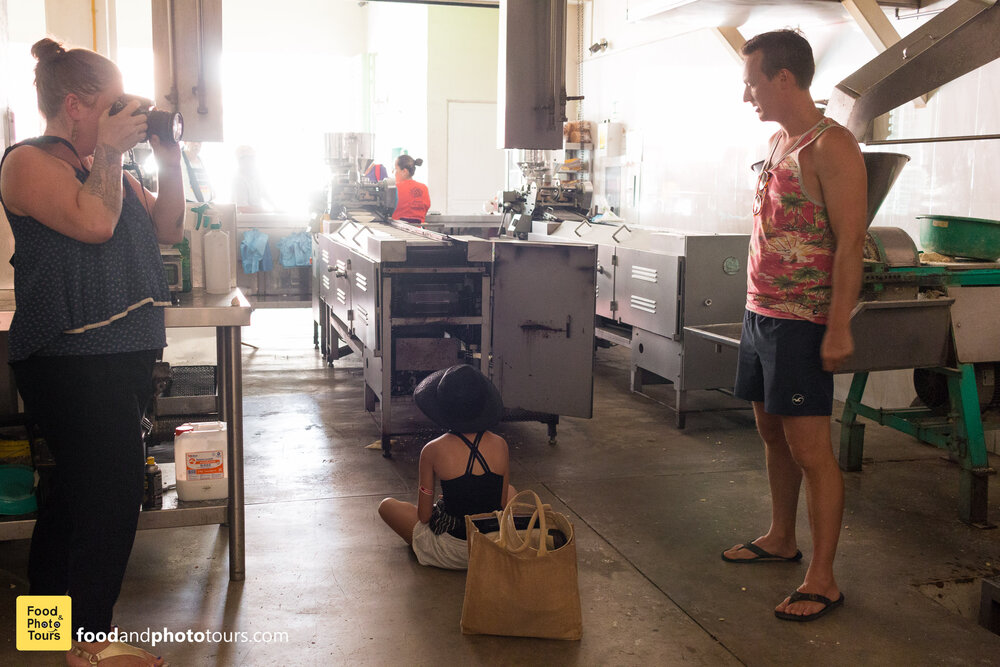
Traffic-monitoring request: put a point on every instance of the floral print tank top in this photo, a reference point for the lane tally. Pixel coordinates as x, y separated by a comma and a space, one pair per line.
792, 244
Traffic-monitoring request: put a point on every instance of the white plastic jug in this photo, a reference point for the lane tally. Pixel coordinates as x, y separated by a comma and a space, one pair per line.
200, 461
217, 269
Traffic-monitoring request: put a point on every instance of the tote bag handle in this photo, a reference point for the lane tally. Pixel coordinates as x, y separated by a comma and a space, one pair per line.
509, 539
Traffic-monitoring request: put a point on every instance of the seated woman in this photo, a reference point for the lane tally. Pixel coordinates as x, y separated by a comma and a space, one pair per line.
470, 461
412, 198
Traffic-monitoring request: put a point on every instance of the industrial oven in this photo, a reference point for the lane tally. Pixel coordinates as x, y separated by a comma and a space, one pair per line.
411, 301
651, 283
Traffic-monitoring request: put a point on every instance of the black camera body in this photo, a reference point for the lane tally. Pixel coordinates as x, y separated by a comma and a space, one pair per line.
167, 125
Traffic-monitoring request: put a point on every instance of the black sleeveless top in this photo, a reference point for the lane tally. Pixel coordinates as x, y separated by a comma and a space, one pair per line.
86, 298
468, 493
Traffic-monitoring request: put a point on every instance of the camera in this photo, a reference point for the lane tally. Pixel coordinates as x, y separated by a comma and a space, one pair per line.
167, 125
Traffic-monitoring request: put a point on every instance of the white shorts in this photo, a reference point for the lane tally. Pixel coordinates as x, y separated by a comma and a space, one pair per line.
444, 550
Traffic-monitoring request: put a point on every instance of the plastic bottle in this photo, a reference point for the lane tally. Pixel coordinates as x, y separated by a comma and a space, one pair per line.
185, 249
200, 461
217, 270
152, 486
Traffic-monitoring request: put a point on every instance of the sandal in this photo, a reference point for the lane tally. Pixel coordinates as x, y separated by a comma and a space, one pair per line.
112, 650
761, 556
799, 596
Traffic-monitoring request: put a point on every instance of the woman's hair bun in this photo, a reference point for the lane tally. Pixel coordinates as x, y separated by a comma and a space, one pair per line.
419, 161
46, 49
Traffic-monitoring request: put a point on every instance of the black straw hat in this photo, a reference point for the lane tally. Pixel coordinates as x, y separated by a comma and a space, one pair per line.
459, 399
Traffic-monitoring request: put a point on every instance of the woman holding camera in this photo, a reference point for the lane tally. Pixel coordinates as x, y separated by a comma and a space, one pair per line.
412, 198
90, 292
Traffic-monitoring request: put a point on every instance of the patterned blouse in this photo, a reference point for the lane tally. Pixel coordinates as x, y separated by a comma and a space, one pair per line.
87, 298
792, 245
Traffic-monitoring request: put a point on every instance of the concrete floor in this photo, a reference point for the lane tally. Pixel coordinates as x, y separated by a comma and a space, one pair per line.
652, 507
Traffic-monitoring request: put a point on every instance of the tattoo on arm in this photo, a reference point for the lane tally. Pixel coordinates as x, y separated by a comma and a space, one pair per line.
105, 180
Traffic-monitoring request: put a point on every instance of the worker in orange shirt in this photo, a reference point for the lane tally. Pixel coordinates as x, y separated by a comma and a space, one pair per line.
412, 198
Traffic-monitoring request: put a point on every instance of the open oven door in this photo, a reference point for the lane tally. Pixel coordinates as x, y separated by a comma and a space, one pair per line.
543, 326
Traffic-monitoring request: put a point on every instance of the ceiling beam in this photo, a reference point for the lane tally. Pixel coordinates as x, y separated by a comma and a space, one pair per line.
732, 38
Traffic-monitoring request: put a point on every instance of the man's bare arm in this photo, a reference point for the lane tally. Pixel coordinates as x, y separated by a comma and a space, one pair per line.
841, 171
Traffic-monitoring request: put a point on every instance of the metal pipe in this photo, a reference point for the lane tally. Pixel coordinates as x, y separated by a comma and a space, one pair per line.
172, 96
230, 366
422, 231
199, 90
489, 4
927, 140
554, 28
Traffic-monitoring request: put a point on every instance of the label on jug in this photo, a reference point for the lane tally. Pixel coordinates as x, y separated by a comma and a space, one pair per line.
204, 465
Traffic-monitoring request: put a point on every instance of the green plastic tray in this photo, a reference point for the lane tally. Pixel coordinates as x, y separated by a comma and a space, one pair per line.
976, 238
17, 489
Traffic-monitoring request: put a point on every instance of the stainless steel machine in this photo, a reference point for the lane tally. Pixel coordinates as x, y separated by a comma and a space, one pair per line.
411, 301
652, 283
542, 197
351, 194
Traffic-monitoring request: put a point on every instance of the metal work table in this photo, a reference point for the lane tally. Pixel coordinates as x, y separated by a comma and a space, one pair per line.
227, 313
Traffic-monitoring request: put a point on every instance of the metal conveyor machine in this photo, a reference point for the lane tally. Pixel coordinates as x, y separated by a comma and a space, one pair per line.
412, 301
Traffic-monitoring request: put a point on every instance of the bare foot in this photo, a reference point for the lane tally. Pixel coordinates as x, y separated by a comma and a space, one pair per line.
140, 657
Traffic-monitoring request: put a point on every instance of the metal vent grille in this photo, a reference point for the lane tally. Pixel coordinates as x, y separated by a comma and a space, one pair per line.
643, 304
643, 273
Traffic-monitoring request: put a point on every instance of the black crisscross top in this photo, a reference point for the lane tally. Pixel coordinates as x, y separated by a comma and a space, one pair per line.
470, 493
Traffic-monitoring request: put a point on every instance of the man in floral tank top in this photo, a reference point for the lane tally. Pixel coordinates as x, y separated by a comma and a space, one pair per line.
803, 280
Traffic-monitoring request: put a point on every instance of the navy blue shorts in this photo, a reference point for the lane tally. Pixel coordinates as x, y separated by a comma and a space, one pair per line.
779, 365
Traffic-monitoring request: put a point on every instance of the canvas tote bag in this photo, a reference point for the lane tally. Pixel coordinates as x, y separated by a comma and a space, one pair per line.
519, 582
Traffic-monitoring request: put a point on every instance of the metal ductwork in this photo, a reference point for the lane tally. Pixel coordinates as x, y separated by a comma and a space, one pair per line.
957, 41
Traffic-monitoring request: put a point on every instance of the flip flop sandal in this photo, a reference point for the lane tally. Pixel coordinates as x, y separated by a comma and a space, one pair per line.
112, 650
762, 556
810, 597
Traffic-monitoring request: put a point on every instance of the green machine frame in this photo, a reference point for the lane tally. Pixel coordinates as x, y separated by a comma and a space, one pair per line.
959, 429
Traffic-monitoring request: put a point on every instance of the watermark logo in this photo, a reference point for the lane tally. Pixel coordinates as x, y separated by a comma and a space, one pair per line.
44, 622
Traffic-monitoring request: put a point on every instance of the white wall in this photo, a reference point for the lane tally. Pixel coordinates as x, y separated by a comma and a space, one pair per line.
461, 67
397, 42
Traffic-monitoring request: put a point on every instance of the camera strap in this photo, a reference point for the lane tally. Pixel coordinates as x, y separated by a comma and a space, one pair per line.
193, 178
52, 139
